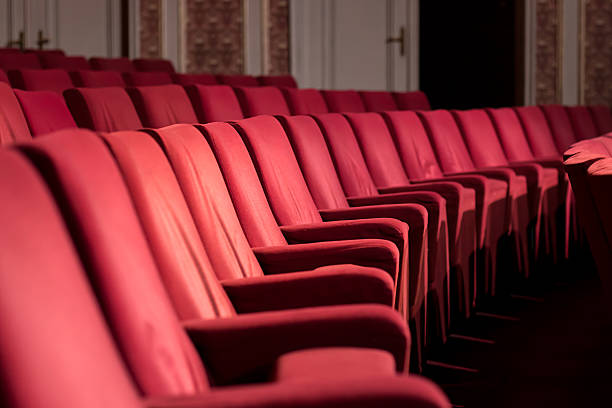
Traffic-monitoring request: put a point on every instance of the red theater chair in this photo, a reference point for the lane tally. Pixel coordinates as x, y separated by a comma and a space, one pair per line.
45, 111
3, 77
582, 122
153, 65
602, 116
281, 81
10, 51
560, 126
343, 101
193, 79
13, 125
19, 61
163, 105
413, 100
56, 80
378, 101
146, 78
122, 64
305, 101
110, 365
214, 103
263, 100
543, 186
238, 80
97, 79
74, 63
102, 109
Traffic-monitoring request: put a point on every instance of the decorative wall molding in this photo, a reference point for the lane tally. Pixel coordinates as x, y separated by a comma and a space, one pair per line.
596, 52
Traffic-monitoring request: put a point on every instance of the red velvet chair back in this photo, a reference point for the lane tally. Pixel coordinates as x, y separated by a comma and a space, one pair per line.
315, 161
447, 141
208, 199
193, 79
13, 125
511, 134
560, 125
45, 111
163, 105
102, 109
277, 80
56, 80
243, 183
378, 101
72, 63
119, 262
538, 132
97, 79
602, 116
147, 78
343, 101
350, 164
122, 64
413, 145
238, 80
305, 101
19, 61
582, 122
480, 137
278, 170
413, 100
264, 100
3, 77
153, 64
382, 159
214, 103
56, 349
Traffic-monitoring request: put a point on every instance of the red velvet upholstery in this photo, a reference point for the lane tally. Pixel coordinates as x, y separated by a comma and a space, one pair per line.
538, 132
97, 79
214, 103
305, 101
263, 100
45, 111
162, 105
378, 101
3, 77
55, 349
19, 61
13, 125
238, 80
10, 51
147, 78
602, 116
582, 122
153, 64
72, 63
343, 101
102, 109
193, 79
38, 53
122, 64
511, 134
560, 126
413, 100
231, 256
287, 81
56, 80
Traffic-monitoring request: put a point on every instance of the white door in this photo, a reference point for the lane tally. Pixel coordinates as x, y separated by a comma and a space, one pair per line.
79, 27
355, 44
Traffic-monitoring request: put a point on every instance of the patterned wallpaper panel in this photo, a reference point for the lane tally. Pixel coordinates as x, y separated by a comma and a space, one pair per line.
597, 52
150, 28
548, 56
213, 31
276, 45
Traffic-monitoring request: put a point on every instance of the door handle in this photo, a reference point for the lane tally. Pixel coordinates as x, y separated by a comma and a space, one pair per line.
399, 39
41, 40
20, 42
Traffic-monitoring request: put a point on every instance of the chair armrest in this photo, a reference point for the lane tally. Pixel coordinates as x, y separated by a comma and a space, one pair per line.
329, 285
248, 345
